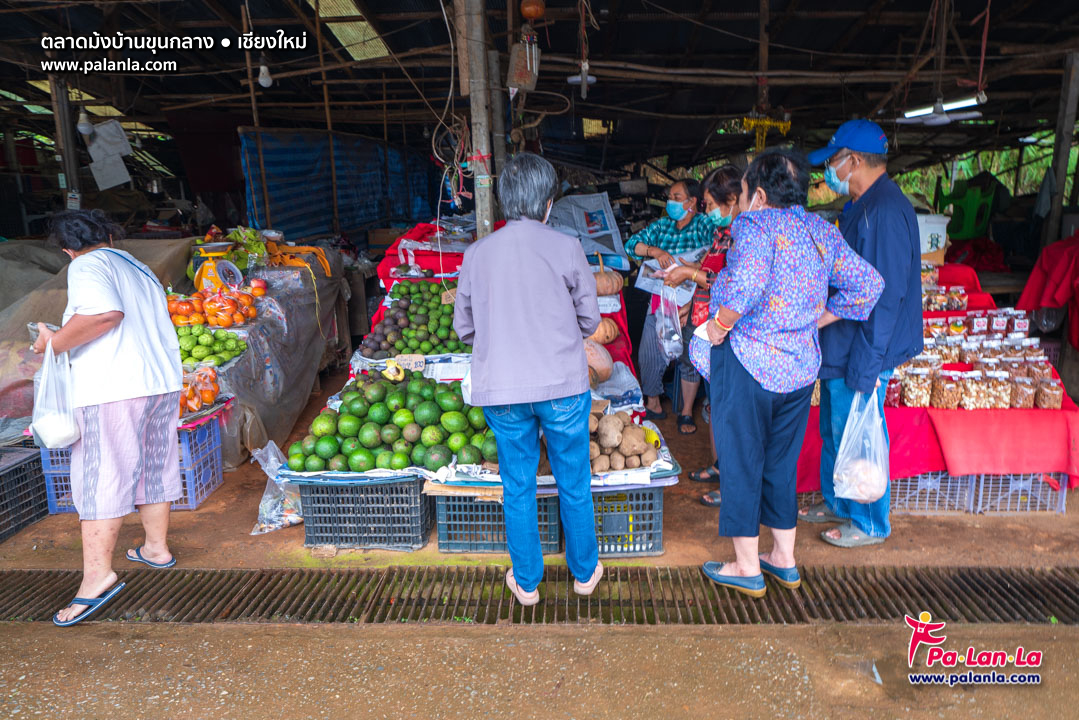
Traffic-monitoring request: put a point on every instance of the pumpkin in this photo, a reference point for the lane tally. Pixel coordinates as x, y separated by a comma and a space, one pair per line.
600, 365
606, 333
608, 282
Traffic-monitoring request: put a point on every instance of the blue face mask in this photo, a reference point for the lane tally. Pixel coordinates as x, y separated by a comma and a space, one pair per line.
831, 179
676, 211
720, 219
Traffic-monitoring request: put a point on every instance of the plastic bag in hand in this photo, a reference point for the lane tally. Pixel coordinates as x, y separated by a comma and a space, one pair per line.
54, 423
861, 465
668, 324
280, 505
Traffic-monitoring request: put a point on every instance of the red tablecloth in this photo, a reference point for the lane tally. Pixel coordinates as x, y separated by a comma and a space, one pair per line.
966, 442
951, 274
621, 349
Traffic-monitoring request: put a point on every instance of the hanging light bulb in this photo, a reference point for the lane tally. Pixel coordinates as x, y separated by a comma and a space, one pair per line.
264, 73
84, 125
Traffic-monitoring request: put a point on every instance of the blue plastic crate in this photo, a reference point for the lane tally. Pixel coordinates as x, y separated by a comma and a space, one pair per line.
201, 470
466, 524
384, 514
22, 494
629, 523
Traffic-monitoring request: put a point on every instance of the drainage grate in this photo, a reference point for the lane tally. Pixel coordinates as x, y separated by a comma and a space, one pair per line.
627, 595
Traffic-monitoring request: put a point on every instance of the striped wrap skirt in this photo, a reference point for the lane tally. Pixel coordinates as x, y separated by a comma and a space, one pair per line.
128, 455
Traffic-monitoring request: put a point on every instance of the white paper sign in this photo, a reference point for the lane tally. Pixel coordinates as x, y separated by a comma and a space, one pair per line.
110, 171
109, 138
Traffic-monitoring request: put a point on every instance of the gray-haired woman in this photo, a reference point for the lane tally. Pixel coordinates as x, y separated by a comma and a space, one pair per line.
525, 301
126, 377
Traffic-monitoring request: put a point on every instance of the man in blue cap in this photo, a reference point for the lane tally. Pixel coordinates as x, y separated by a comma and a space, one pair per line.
860, 357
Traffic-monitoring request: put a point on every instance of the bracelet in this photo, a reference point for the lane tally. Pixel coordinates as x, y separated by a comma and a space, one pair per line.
694, 278
721, 325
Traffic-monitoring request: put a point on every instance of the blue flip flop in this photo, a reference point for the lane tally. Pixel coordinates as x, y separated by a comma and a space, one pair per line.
94, 604
752, 586
787, 577
156, 566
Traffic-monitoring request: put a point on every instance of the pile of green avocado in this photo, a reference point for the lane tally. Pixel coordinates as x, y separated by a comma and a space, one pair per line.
416, 322
385, 425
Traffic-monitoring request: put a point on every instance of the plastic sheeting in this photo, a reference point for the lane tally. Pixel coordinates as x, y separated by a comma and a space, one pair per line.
167, 258
272, 381
299, 183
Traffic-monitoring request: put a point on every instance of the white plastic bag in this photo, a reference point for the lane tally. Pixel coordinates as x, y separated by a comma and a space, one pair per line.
466, 387
54, 423
861, 465
668, 324
280, 505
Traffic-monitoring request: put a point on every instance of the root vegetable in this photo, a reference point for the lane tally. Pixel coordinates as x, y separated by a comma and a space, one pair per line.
633, 461
601, 464
593, 450
593, 423
649, 456
609, 431
624, 417
633, 441
606, 451
618, 461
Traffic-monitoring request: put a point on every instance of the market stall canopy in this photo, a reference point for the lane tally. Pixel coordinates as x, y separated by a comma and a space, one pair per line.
673, 77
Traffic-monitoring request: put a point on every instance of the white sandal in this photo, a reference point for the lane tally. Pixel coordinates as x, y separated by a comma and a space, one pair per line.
524, 598
586, 588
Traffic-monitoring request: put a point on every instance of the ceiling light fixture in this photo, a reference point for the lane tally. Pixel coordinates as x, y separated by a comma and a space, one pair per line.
940, 107
84, 125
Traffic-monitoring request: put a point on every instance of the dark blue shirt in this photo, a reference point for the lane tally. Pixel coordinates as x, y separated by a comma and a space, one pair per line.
881, 227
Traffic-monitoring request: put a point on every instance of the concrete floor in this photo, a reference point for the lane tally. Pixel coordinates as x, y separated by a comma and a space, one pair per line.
216, 535
272, 671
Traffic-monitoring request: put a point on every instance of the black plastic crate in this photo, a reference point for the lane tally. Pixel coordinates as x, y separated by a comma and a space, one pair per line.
466, 524
22, 490
629, 523
386, 515
24, 441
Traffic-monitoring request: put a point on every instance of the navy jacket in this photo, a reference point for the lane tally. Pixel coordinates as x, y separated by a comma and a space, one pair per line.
882, 228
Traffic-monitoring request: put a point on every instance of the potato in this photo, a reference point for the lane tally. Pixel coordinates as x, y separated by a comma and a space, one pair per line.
601, 464
649, 456
593, 450
618, 461
593, 423
633, 461
633, 441
606, 451
609, 431
624, 417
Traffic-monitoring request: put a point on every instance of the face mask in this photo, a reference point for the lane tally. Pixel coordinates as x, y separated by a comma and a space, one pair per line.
831, 179
720, 219
752, 204
676, 211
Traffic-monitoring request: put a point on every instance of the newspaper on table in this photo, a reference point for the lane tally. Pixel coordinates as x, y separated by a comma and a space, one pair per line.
591, 219
650, 276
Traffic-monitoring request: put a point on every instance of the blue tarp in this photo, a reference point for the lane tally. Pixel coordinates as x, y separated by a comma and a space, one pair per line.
298, 171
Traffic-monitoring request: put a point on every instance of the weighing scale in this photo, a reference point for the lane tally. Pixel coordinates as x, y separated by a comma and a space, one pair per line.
211, 272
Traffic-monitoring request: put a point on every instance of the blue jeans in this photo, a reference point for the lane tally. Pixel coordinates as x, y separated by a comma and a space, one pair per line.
835, 401
565, 427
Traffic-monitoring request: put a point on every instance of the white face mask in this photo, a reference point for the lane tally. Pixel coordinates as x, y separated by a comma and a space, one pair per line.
753, 203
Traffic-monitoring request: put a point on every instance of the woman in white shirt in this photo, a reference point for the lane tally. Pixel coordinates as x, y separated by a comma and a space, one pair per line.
126, 377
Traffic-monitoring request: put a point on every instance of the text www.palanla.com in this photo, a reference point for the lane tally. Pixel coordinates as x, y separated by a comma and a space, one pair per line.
104, 65
974, 678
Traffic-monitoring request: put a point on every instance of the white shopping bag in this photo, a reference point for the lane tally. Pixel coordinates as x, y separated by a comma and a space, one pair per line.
861, 465
54, 423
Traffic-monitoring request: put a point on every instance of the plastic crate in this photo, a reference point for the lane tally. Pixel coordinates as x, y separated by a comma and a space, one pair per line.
1023, 493
466, 524
386, 515
24, 441
629, 523
935, 493
201, 470
22, 492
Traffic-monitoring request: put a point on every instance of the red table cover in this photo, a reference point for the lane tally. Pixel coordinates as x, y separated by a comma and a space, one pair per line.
966, 442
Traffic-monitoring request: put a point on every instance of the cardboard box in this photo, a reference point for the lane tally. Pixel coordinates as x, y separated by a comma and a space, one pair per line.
933, 230
379, 239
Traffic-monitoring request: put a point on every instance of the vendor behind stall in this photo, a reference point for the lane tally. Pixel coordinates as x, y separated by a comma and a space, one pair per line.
860, 357
681, 230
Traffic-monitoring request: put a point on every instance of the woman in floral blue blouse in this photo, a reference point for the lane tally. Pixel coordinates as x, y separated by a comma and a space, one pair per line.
766, 306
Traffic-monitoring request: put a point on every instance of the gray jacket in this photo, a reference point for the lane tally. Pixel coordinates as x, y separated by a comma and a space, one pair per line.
525, 301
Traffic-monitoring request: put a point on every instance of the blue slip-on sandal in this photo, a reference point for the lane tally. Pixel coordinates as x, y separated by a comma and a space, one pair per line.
787, 577
156, 566
94, 604
752, 586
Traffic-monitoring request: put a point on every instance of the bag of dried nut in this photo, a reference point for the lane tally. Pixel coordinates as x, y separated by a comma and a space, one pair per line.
946, 392
998, 387
1023, 392
917, 387
1039, 368
974, 391
1050, 395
